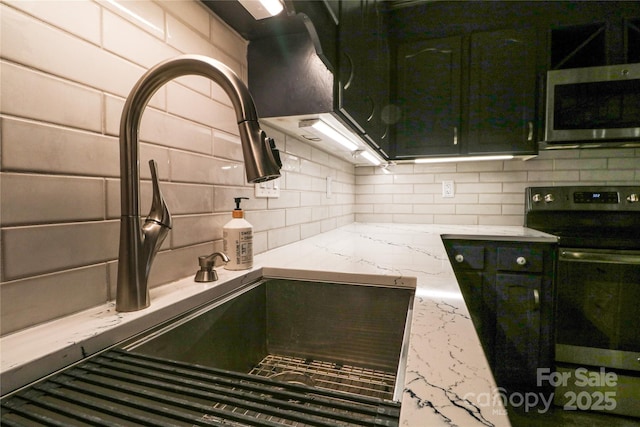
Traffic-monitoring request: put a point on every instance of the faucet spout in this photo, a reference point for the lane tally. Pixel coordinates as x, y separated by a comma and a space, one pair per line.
139, 244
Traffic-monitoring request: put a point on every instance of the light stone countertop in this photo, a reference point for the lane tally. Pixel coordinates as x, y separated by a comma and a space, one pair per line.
447, 380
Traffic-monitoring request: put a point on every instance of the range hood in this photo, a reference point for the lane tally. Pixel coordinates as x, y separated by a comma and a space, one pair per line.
291, 74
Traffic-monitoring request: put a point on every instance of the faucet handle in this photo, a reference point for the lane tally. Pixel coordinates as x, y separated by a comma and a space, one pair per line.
159, 212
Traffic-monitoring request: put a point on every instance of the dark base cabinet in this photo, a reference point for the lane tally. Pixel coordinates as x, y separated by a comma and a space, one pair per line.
509, 290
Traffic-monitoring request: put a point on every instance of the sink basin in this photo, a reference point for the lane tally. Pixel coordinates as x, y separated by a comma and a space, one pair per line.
278, 322
273, 352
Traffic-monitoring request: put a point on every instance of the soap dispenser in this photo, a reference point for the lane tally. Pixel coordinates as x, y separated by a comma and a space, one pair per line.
238, 240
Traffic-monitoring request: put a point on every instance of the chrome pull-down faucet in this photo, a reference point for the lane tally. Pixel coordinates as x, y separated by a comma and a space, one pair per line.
139, 244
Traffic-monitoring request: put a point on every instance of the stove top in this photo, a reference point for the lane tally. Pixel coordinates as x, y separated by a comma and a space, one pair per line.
586, 216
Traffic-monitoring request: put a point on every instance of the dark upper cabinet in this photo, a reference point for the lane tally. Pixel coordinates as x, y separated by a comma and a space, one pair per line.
594, 33
467, 94
502, 88
632, 32
364, 69
429, 82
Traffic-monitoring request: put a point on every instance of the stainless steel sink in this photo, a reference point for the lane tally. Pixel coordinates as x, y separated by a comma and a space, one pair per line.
284, 327
275, 352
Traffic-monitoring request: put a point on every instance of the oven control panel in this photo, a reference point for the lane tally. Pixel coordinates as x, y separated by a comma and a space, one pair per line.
586, 198
596, 197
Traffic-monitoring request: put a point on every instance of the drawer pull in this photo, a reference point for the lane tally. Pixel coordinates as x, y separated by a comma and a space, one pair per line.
459, 258
521, 260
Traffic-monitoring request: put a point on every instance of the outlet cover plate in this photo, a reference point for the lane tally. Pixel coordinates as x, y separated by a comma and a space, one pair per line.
268, 189
448, 189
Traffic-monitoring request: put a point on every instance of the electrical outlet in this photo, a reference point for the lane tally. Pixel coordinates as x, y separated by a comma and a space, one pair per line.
268, 189
447, 189
329, 187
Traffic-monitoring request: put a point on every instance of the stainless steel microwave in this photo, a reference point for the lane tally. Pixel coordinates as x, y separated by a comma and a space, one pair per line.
593, 105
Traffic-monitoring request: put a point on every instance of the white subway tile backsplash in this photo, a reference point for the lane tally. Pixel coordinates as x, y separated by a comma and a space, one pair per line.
185, 199
187, 40
282, 236
534, 164
434, 209
36, 45
146, 15
189, 104
57, 247
38, 199
87, 28
193, 229
485, 166
477, 209
607, 175
421, 178
287, 199
227, 41
515, 209
570, 164
170, 131
148, 50
500, 220
456, 219
458, 177
227, 146
192, 14
503, 176
67, 68
629, 163
266, 220
484, 187
38, 299
298, 216
556, 175
320, 213
393, 188
40, 147
194, 168
34, 95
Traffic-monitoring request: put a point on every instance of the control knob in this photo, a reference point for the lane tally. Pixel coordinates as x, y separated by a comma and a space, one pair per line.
536, 198
548, 198
632, 198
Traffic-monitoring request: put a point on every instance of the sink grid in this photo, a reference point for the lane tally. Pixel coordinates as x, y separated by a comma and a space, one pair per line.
329, 376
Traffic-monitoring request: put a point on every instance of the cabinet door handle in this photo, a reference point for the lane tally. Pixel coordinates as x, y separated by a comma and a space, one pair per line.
459, 258
373, 108
530, 134
346, 85
455, 135
536, 299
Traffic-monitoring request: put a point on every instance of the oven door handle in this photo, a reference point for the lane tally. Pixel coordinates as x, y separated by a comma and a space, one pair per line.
613, 257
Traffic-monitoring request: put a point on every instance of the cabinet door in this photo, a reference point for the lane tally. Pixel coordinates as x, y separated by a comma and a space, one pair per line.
428, 94
353, 44
518, 322
363, 89
477, 290
502, 92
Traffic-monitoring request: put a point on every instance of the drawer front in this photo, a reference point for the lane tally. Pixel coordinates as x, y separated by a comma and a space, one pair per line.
520, 259
467, 257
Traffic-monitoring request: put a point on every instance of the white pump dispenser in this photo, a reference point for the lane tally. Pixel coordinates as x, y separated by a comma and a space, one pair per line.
238, 240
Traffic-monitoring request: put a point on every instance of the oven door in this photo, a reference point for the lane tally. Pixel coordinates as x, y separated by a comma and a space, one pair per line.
598, 308
597, 331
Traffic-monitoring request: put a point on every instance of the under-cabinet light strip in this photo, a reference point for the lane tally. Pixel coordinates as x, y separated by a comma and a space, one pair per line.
463, 159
